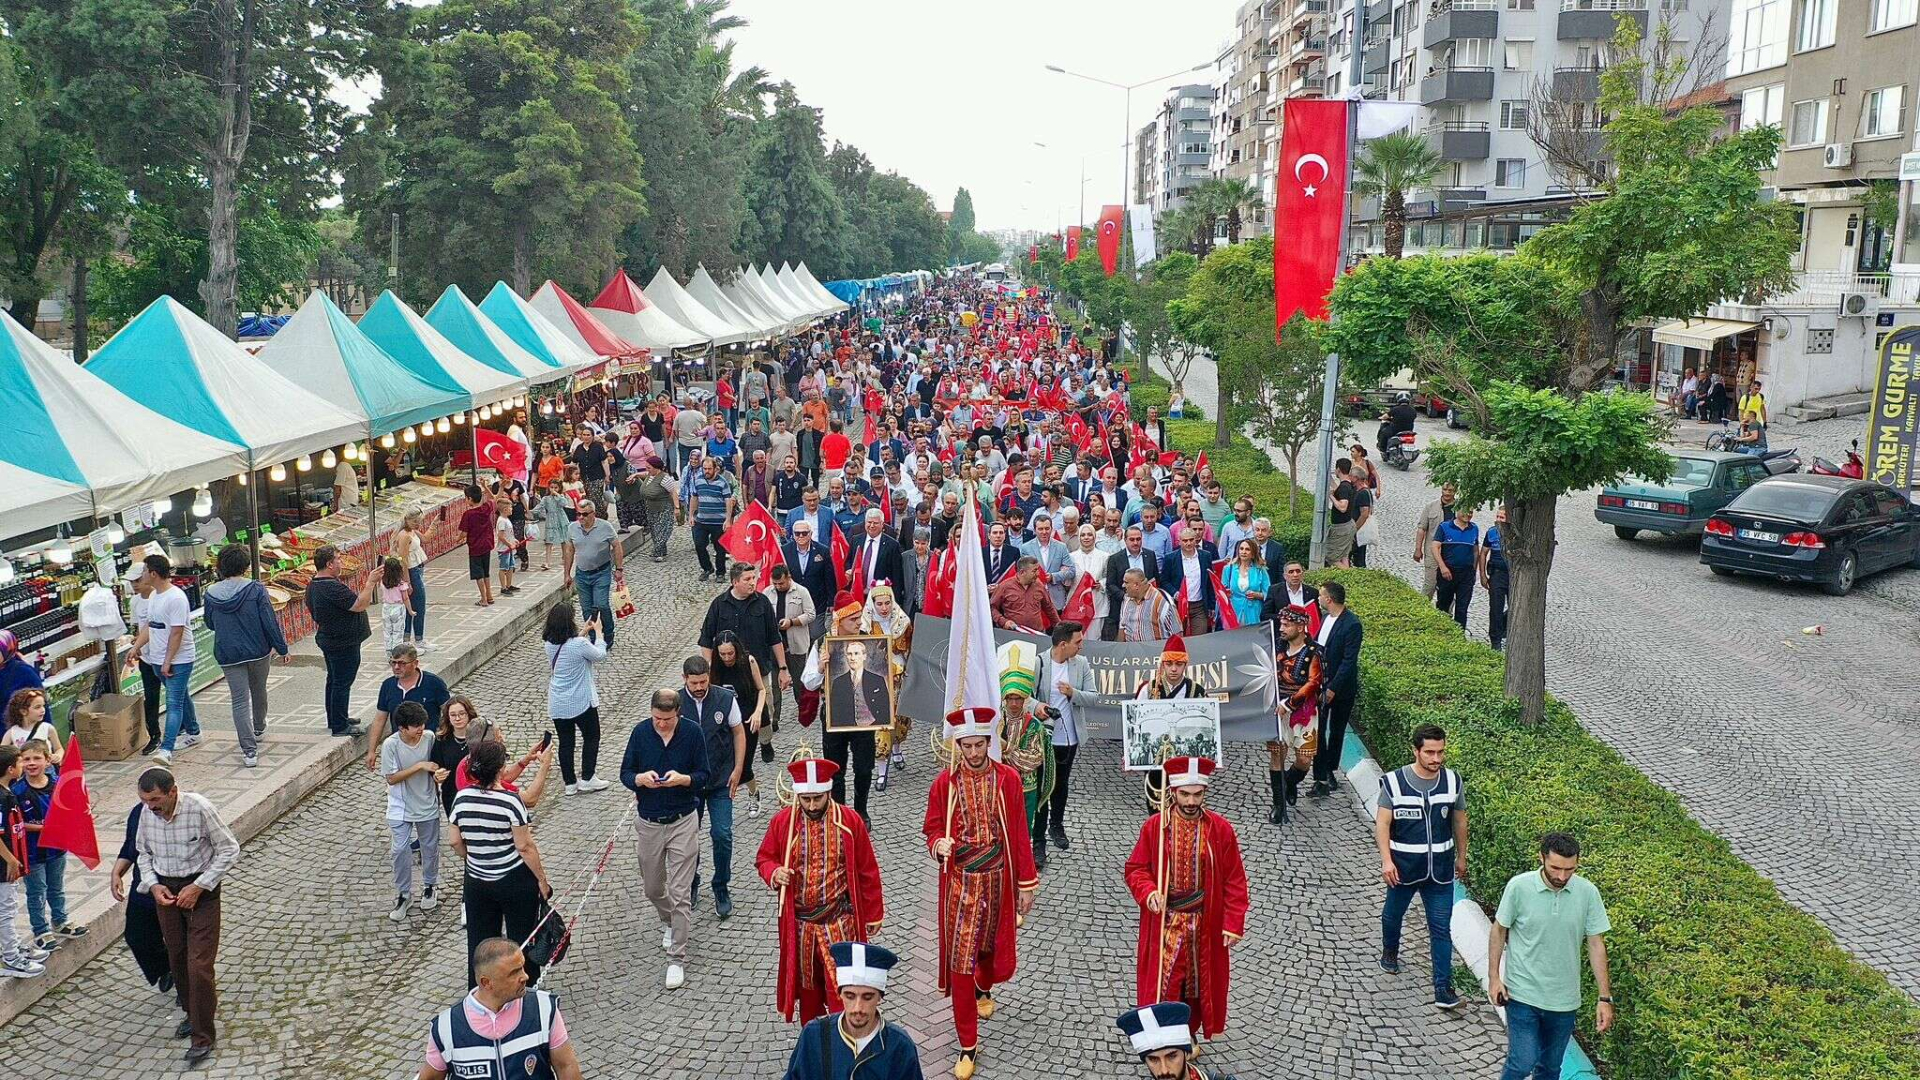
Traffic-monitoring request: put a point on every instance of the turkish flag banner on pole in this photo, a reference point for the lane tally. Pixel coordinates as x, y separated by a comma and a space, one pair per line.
754, 532
69, 822
842, 554
1110, 222
499, 453
1311, 197
1223, 599
1080, 602
1073, 242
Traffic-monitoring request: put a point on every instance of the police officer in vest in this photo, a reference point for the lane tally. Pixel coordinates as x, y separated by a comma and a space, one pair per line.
715, 712
1420, 823
502, 1030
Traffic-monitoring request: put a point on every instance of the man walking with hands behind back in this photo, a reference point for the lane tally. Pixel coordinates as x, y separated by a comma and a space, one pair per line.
1533, 958
183, 849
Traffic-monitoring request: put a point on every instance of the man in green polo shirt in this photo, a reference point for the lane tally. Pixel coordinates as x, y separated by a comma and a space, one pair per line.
1543, 916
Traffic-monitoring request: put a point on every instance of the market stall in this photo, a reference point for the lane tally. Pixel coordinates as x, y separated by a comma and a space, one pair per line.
707, 291
625, 362
669, 297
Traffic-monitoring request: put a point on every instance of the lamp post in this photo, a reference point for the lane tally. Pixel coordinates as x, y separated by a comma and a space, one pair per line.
1083, 184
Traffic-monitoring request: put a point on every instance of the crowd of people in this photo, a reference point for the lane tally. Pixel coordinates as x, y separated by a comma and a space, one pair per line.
863, 445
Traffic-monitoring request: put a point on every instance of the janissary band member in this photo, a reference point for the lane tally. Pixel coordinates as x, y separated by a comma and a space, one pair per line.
1186, 874
1290, 753
1026, 743
820, 858
1169, 683
856, 1041
976, 826
1162, 1036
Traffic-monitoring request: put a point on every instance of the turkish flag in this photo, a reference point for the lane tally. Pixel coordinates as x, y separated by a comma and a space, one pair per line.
1311, 197
753, 535
69, 823
1200, 463
499, 453
941, 573
1033, 253
1110, 218
842, 555
1080, 602
1073, 242
1223, 600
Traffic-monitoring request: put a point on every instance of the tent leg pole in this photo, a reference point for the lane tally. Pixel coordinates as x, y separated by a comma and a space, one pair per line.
253, 511
372, 527
473, 443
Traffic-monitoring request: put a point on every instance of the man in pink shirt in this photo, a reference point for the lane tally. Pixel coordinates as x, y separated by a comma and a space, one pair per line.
500, 1020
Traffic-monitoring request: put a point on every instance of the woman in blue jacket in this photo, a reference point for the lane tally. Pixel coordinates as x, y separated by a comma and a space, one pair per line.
245, 632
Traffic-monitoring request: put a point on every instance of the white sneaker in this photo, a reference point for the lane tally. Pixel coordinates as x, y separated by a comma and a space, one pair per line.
190, 739
23, 968
422, 646
463, 913
163, 757
573, 789
666, 938
595, 784
753, 805
676, 976
250, 760
399, 912
428, 901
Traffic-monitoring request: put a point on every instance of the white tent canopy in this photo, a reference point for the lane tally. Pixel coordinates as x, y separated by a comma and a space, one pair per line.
193, 374
772, 298
812, 287
669, 297
322, 350
746, 290
30, 502
473, 333
703, 288
534, 331
785, 280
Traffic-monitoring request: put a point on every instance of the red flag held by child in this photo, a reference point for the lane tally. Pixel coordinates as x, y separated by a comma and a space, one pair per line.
69, 824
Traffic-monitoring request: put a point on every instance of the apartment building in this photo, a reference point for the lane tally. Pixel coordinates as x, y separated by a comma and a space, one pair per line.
1838, 77
1146, 164
1298, 65
1183, 145
1243, 110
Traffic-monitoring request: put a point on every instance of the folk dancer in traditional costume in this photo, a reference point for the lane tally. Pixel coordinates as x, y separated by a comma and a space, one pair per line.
882, 616
1169, 683
1296, 668
1026, 742
856, 1041
1163, 1037
1186, 874
820, 859
976, 826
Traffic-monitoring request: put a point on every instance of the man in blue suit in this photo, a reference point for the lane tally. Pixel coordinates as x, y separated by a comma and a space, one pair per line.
1188, 573
811, 565
812, 508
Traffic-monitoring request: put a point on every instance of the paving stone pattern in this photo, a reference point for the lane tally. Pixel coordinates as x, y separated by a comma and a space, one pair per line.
1794, 747
315, 982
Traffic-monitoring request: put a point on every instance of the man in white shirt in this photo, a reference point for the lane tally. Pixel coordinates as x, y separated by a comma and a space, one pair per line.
346, 486
164, 640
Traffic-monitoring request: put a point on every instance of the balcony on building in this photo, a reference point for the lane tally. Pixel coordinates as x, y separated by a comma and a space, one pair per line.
1455, 198
1460, 140
1307, 9
1585, 20
1576, 84
1451, 20
1379, 11
1377, 58
1310, 82
1307, 45
1457, 84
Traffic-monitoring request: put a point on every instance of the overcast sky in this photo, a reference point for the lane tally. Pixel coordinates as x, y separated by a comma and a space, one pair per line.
953, 95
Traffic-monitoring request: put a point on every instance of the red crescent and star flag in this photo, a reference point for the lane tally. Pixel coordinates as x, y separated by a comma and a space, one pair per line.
500, 453
754, 537
69, 822
1073, 242
1111, 218
1310, 195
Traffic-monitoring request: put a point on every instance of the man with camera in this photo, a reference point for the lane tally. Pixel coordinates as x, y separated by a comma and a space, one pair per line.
1066, 685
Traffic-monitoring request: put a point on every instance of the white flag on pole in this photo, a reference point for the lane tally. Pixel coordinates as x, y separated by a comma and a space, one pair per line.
1379, 118
1141, 217
973, 678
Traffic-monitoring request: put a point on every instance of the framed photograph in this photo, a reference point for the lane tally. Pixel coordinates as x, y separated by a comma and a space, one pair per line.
859, 691
1152, 731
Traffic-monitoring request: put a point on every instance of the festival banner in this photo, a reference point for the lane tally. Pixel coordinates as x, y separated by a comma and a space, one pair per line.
1893, 429
1109, 238
1073, 242
1140, 219
1310, 196
1236, 663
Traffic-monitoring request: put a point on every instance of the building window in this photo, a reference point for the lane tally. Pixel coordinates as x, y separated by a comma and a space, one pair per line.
1885, 112
1761, 105
1757, 35
1887, 14
1510, 173
1809, 127
1519, 5
1519, 54
1513, 115
1816, 25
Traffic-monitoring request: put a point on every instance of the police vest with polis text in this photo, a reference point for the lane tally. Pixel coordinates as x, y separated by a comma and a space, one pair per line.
1421, 838
522, 1054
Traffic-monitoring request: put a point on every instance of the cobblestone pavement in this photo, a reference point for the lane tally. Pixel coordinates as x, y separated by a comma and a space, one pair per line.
315, 982
1791, 746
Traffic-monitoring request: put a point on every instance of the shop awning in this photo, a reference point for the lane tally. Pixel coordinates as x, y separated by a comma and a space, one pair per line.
1699, 333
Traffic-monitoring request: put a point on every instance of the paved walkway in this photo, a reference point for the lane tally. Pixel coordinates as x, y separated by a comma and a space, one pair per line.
1793, 747
317, 983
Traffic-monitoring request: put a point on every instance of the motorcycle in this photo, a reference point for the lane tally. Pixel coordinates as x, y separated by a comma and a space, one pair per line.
1854, 469
1399, 452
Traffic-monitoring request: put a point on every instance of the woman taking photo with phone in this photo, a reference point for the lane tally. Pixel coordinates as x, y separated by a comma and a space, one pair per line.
493, 834
573, 701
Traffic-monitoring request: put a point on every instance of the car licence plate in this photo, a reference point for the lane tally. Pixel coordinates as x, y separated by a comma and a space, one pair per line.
1642, 504
1756, 534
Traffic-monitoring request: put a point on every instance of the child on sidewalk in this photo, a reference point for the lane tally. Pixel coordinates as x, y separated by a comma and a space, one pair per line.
506, 545
18, 959
396, 592
551, 513
46, 867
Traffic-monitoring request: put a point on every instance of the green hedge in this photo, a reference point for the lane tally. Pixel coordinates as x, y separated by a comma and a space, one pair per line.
1716, 976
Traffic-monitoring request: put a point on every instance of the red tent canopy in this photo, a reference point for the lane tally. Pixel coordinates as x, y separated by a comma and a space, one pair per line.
598, 338
622, 294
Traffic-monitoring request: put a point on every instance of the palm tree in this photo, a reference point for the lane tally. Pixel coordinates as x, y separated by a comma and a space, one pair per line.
1387, 168
1224, 197
1186, 228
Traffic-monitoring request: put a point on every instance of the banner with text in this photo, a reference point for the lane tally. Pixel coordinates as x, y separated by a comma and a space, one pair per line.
1238, 663
1893, 430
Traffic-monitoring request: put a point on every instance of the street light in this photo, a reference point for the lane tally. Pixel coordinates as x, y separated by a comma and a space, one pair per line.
1083, 185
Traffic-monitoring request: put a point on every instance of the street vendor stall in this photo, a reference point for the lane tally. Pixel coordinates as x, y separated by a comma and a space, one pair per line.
707, 291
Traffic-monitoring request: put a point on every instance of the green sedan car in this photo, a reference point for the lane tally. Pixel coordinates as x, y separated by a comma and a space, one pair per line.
1703, 481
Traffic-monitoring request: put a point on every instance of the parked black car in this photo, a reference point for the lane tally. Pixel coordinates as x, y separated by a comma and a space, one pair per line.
1830, 530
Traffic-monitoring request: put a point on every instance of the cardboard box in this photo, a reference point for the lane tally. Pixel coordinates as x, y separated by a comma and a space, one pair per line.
112, 727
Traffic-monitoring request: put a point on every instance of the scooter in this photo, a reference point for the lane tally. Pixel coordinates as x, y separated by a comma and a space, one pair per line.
1400, 452
1854, 468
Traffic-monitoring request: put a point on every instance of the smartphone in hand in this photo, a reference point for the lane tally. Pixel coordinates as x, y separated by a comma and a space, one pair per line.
545, 741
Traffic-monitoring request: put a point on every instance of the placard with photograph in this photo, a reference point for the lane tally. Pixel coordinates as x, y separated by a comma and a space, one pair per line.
1181, 727
859, 691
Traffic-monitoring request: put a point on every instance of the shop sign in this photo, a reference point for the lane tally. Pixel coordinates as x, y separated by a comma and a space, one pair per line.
1910, 166
1893, 428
